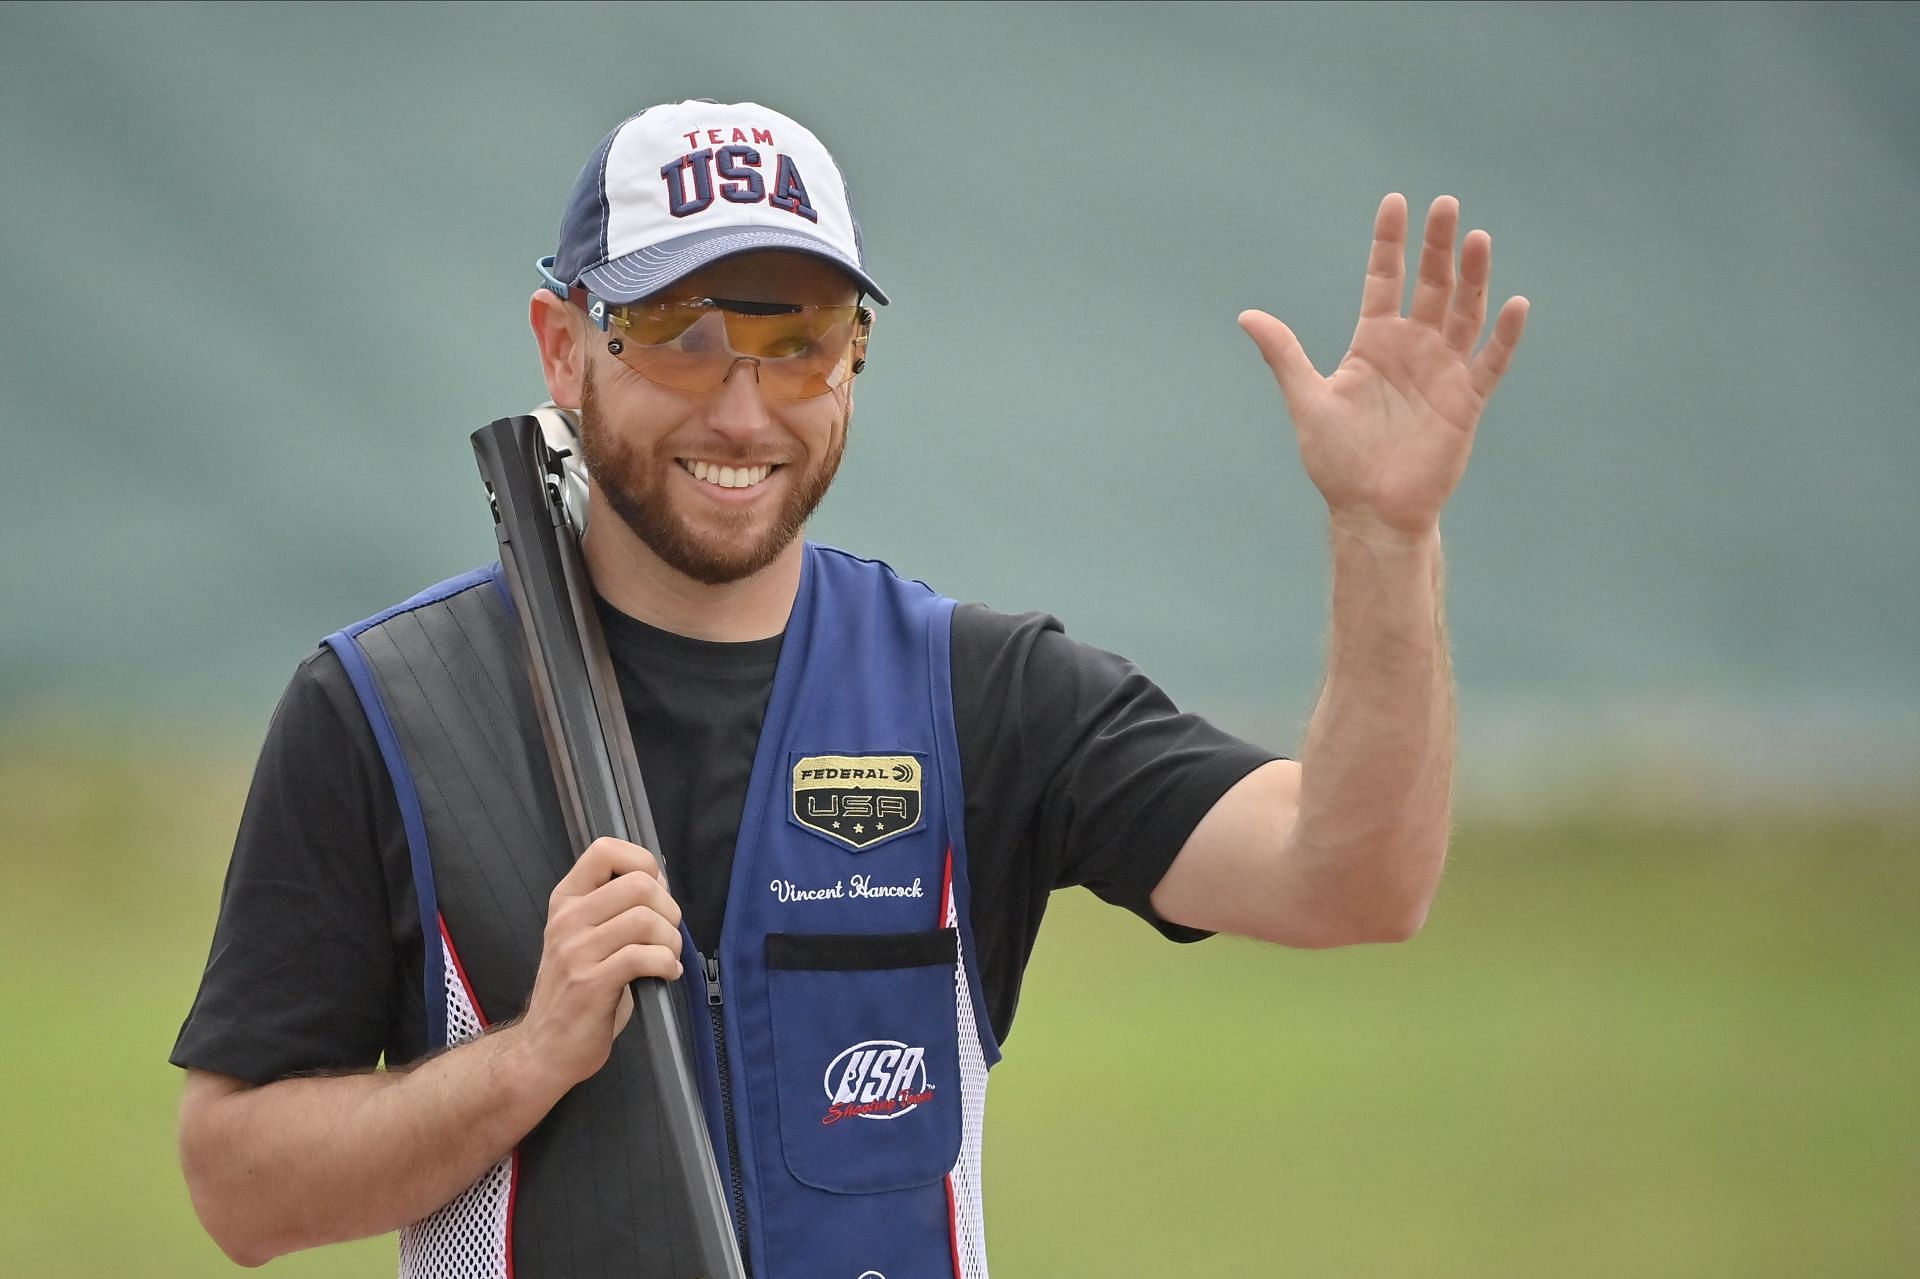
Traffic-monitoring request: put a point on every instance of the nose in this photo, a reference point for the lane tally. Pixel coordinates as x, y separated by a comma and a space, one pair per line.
738, 407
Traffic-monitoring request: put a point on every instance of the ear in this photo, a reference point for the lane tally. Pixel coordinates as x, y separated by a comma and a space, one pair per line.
560, 331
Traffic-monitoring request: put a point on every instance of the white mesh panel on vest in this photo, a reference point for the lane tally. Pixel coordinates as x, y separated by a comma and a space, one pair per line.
969, 1219
467, 1239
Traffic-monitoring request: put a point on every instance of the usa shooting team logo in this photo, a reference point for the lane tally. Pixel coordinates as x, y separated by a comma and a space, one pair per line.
857, 800
876, 1079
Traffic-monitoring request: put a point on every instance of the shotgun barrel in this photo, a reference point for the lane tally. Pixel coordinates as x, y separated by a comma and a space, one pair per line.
598, 776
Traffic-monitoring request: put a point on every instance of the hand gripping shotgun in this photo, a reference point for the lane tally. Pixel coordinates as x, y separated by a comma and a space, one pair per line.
536, 484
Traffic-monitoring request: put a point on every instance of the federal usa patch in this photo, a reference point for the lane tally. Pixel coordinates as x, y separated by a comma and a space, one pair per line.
858, 800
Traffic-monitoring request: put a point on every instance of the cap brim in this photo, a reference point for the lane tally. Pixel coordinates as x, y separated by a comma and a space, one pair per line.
649, 270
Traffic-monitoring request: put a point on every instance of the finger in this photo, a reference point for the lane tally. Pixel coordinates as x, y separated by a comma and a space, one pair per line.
1469, 309
1491, 364
636, 927
639, 926
1434, 285
623, 893
604, 858
631, 963
1284, 355
1387, 263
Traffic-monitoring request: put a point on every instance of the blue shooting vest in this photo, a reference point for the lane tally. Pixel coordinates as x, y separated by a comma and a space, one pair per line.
840, 1034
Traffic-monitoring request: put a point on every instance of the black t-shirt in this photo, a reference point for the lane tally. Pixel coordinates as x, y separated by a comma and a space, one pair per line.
1077, 768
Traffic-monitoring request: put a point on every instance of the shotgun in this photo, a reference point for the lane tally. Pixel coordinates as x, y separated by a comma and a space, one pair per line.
537, 490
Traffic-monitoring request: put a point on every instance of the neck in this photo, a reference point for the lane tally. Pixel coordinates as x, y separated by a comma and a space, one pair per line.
634, 580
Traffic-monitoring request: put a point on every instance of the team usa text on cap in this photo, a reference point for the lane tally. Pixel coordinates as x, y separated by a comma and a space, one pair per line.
734, 157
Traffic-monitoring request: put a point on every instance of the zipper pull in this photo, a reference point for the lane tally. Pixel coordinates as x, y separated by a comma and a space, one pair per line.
713, 981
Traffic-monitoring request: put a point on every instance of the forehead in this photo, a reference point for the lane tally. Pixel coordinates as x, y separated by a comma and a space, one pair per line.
769, 275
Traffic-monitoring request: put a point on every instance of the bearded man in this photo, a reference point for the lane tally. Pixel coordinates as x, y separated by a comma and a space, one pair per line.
867, 790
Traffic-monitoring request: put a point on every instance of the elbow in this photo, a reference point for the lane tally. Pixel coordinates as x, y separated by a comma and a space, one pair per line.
1390, 902
214, 1186
1389, 917
1360, 917
1358, 929
1394, 915
223, 1223
215, 1203
1402, 925
240, 1250
242, 1256
1357, 892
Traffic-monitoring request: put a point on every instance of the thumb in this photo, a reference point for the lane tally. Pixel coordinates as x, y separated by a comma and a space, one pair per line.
623, 1011
1284, 355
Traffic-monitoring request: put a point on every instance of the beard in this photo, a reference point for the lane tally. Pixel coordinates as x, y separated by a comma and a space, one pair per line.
636, 487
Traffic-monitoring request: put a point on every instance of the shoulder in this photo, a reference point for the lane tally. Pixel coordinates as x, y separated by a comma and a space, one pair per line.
857, 577
980, 624
996, 650
319, 692
993, 653
488, 575
323, 710
319, 734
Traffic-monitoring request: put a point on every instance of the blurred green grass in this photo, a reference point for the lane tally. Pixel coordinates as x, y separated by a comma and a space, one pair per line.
1625, 1044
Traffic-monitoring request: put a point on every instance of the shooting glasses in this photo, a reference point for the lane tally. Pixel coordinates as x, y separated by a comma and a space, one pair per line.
694, 344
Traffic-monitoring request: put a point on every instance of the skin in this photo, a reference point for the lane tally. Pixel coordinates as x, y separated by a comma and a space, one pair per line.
747, 539
1344, 846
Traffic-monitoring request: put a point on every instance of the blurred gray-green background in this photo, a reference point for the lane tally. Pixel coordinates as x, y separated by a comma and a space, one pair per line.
267, 266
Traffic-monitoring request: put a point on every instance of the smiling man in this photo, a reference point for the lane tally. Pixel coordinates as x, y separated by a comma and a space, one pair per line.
866, 790
712, 462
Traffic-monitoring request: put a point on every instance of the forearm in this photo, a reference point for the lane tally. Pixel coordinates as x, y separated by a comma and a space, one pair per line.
1376, 775
316, 1160
1347, 844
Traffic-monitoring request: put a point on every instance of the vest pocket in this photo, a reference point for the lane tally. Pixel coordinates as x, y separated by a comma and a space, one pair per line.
867, 1055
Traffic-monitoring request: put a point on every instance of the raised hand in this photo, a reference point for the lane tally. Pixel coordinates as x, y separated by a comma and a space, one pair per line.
1386, 438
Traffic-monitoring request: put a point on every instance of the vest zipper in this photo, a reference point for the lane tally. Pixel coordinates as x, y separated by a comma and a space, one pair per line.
714, 1008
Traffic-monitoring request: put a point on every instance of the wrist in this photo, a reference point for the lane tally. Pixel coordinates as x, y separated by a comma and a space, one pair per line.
1371, 530
524, 1072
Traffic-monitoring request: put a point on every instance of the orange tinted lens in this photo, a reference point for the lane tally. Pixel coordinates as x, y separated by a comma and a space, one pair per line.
679, 345
802, 354
653, 325
693, 346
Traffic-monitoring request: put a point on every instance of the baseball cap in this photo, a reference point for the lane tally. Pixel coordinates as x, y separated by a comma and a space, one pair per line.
685, 184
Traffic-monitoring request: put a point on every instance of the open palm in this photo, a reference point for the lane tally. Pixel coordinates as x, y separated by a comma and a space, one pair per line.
1386, 438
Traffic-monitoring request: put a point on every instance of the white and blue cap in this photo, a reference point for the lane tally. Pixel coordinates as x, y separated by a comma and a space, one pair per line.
688, 183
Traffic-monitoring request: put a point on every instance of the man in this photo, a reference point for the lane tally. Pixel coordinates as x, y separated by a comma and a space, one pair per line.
866, 791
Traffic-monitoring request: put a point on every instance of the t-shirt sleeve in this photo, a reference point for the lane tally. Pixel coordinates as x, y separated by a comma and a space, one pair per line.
301, 976
1079, 770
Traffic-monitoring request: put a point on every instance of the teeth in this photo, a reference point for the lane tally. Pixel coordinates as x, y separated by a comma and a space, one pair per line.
726, 477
